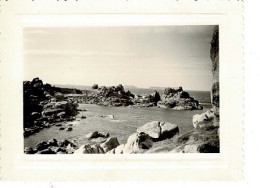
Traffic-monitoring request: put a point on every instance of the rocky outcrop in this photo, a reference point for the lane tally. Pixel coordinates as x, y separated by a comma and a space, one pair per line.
148, 100
211, 117
177, 99
214, 54
111, 96
45, 106
95, 86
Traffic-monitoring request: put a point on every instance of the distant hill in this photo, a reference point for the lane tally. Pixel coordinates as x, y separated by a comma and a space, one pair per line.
157, 88
130, 87
81, 87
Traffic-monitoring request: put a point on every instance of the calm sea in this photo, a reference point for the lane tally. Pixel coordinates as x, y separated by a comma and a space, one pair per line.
125, 122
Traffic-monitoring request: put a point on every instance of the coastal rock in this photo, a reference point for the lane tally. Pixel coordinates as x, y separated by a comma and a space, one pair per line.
168, 130
97, 134
59, 96
110, 143
92, 135
159, 130
118, 150
151, 128
46, 151
95, 86
204, 120
69, 129
39, 110
191, 149
177, 99
28, 150
214, 54
138, 141
87, 149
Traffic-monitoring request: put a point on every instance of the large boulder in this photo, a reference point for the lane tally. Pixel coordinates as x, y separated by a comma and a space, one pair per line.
159, 130
138, 141
205, 119
168, 130
135, 143
151, 128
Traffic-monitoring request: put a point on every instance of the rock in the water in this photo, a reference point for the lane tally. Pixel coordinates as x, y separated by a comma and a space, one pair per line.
95, 86
204, 120
69, 129
83, 117
110, 143
92, 135
177, 99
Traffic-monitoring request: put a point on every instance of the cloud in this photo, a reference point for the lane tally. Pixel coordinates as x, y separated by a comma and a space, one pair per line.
75, 53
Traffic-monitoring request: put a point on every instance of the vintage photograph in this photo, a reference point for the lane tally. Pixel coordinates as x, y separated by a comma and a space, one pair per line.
121, 89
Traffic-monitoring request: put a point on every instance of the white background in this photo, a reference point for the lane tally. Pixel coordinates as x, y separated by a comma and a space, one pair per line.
251, 125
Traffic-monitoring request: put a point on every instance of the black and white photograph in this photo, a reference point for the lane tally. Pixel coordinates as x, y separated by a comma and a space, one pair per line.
121, 89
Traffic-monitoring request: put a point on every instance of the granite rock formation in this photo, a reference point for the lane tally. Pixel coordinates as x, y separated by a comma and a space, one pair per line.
177, 99
45, 106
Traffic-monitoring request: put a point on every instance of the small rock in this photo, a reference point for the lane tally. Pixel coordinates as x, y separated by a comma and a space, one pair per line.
92, 135
68, 129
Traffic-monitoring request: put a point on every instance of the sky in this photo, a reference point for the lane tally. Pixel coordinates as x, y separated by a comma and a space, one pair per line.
142, 56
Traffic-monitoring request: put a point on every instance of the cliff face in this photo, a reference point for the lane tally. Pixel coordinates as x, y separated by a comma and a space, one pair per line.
214, 54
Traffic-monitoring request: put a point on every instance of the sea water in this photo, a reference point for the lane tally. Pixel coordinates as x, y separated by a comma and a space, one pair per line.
123, 124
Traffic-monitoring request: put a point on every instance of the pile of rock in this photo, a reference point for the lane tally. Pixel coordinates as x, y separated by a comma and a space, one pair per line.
177, 99
147, 100
52, 147
43, 106
111, 96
